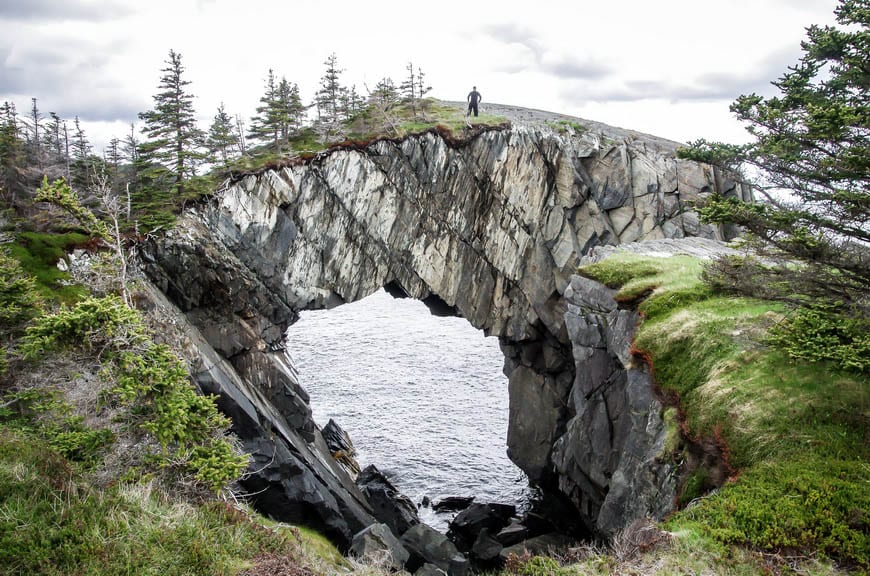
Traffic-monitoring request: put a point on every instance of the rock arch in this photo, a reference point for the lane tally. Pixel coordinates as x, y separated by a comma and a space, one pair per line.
491, 229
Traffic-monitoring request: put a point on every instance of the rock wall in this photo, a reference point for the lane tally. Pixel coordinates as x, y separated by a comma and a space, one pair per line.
492, 230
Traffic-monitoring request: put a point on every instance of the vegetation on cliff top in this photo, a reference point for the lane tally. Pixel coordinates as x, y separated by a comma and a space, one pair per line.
793, 432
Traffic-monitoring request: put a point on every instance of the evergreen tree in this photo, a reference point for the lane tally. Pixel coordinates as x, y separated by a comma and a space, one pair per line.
173, 149
813, 142
221, 137
288, 109
385, 95
413, 88
36, 119
328, 97
11, 152
263, 128
53, 140
81, 152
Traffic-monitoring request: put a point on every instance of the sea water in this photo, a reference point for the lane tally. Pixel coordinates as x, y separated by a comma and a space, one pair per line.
422, 397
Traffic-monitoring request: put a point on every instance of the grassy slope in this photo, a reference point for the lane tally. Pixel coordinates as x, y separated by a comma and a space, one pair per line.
796, 433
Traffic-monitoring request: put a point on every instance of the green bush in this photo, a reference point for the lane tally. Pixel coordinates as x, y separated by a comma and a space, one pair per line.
19, 300
820, 334
805, 504
92, 323
148, 378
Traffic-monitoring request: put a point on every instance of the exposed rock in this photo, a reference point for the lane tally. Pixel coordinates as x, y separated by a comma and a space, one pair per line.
378, 544
464, 529
492, 230
291, 478
512, 534
485, 549
430, 570
427, 545
340, 445
388, 505
545, 544
453, 503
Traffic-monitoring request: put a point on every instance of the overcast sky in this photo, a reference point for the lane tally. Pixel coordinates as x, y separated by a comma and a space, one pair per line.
666, 67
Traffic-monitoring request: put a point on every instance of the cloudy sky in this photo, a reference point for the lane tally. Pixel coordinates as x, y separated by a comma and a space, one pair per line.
666, 67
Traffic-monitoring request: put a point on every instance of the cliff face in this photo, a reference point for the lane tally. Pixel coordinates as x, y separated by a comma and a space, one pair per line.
491, 230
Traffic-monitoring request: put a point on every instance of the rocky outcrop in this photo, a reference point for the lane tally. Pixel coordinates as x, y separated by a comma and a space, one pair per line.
388, 505
492, 230
378, 545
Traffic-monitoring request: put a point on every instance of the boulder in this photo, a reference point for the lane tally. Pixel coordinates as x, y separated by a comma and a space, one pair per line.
453, 503
468, 524
486, 549
427, 545
388, 504
514, 533
377, 543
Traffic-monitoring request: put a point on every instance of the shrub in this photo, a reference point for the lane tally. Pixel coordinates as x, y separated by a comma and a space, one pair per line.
92, 323
819, 334
19, 300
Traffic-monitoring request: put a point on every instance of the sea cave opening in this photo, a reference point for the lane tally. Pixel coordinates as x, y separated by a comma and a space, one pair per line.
421, 393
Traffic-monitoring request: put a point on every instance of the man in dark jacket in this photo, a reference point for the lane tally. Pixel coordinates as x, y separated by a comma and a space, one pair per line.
473, 100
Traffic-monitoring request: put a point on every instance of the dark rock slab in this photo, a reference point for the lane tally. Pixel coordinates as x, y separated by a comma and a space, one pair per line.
427, 545
429, 570
513, 533
377, 543
486, 549
468, 524
453, 503
388, 505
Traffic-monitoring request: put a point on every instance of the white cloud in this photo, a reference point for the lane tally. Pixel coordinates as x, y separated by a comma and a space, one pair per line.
669, 67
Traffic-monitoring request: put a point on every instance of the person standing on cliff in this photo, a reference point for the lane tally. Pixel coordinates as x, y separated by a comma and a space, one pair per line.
474, 99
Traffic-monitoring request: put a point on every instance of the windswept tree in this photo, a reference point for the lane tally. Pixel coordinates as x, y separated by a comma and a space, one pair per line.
222, 137
11, 152
413, 88
328, 98
262, 128
174, 146
280, 114
810, 146
80, 165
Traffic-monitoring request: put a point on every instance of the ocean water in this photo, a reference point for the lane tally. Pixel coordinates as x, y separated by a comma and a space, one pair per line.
422, 397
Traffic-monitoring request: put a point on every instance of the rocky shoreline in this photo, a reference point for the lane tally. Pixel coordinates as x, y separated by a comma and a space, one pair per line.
492, 232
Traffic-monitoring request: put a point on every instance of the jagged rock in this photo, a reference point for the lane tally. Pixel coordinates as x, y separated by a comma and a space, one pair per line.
388, 505
453, 503
513, 533
464, 529
492, 230
427, 545
485, 549
340, 445
378, 544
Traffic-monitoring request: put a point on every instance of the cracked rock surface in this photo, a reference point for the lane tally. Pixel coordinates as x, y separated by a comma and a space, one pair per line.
492, 230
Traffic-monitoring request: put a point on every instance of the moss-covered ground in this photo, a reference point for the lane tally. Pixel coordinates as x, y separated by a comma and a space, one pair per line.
794, 433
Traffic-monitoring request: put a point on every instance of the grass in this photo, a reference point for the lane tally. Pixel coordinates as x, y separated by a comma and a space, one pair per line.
795, 431
52, 521
39, 252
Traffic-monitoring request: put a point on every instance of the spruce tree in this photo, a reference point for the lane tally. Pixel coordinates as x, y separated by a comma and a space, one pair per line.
173, 149
11, 152
263, 127
328, 98
221, 137
81, 152
811, 149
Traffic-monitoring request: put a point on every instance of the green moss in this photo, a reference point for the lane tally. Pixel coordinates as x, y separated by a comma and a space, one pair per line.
796, 430
38, 253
